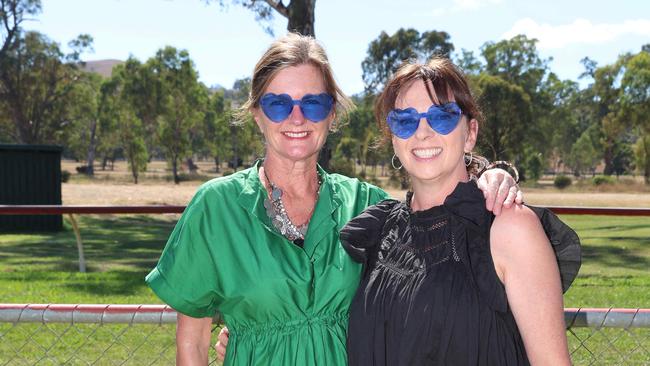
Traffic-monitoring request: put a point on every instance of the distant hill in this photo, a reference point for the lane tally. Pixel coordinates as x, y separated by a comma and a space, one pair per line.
215, 88
102, 67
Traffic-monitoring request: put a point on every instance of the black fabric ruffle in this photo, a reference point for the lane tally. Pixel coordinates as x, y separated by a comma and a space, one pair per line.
361, 234
565, 242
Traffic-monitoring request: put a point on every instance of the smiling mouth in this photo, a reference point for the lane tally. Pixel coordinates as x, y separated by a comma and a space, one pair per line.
296, 135
427, 153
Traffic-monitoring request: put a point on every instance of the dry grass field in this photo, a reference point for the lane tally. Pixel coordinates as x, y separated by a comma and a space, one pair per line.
115, 187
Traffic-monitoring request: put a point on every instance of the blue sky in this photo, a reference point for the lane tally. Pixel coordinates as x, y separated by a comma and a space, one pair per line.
226, 43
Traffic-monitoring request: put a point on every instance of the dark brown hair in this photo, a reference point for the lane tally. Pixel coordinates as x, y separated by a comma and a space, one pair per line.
441, 77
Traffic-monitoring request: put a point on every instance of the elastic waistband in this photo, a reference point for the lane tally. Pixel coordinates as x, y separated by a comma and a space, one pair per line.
290, 326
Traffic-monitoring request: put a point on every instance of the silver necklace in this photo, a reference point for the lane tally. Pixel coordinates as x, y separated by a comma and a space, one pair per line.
278, 214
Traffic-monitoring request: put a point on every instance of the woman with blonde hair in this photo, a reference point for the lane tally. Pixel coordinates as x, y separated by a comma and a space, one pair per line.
261, 246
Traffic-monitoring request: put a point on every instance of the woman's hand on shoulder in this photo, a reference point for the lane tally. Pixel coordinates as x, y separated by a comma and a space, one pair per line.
525, 263
499, 189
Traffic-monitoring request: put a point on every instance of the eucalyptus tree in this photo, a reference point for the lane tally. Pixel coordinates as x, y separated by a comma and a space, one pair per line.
182, 98
12, 14
84, 113
635, 106
300, 14
216, 128
387, 52
36, 80
507, 110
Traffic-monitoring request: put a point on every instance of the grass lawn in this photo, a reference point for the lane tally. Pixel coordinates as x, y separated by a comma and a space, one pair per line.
615, 268
43, 268
120, 251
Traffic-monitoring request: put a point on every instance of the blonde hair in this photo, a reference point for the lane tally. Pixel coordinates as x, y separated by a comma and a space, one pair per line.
294, 50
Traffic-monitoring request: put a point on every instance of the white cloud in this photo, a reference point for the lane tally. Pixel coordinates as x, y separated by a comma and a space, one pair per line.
581, 31
465, 5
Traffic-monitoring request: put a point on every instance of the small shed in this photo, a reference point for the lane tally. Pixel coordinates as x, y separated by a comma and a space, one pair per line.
30, 175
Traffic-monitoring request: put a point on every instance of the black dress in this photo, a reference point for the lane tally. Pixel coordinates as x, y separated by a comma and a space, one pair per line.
429, 294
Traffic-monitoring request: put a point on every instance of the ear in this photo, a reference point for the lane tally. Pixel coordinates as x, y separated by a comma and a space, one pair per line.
393, 139
332, 120
472, 134
258, 119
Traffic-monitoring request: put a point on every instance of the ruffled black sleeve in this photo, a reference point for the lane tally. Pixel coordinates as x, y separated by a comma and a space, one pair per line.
467, 201
565, 243
361, 234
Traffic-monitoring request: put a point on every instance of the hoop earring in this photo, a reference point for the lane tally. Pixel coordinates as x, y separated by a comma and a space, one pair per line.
392, 162
468, 157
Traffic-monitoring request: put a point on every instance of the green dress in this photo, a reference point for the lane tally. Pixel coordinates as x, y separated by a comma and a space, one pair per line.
283, 304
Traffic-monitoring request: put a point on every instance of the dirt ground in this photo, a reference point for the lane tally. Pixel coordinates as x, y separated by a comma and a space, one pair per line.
170, 194
115, 187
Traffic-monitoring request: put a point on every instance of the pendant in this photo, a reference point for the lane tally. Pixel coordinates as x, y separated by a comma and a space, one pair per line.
284, 229
277, 213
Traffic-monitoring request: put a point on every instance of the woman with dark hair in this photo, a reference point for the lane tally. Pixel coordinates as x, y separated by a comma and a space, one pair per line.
261, 246
445, 282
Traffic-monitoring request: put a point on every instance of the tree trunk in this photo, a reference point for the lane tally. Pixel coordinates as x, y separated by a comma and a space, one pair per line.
23, 130
608, 158
301, 17
646, 169
191, 166
216, 164
134, 172
175, 170
92, 146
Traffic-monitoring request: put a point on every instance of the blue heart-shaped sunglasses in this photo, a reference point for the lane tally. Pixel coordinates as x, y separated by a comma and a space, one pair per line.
315, 107
442, 118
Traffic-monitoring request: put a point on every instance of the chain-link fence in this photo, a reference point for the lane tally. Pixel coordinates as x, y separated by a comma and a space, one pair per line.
58, 334
144, 335
608, 336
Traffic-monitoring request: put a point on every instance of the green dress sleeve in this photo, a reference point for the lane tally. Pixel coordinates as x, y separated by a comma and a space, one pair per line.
185, 276
376, 194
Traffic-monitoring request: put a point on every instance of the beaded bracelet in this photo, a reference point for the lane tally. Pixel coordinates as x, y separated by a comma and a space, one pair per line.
500, 163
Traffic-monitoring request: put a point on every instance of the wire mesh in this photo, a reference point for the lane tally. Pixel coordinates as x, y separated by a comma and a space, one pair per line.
127, 335
88, 335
